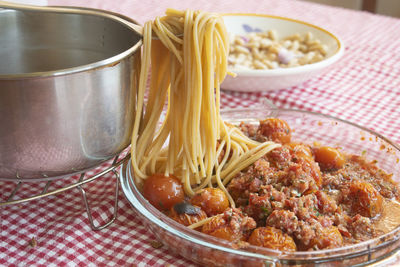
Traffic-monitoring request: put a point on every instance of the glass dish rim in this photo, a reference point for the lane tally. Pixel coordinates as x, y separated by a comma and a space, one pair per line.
167, 224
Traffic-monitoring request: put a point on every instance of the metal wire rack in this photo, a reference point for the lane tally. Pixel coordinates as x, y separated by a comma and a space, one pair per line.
77, 183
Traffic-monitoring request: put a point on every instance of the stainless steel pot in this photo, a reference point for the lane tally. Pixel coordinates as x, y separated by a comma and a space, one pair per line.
67, 92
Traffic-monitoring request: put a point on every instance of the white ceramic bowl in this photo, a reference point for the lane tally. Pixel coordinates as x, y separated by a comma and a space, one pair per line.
274, 79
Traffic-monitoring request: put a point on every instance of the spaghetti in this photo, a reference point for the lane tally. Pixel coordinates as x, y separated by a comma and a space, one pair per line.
188, 62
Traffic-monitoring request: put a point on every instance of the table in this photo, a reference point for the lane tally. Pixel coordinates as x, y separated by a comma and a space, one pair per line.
363, 87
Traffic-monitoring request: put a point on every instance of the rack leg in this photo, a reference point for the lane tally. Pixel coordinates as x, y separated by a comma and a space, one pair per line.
14, 191
88, 210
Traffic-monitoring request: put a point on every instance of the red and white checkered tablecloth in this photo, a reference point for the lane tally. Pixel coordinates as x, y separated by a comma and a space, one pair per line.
363, 87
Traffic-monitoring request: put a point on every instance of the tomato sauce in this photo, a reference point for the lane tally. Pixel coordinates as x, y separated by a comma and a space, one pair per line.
300, 197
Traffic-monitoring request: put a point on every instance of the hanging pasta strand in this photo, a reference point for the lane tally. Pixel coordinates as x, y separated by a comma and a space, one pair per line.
188, 62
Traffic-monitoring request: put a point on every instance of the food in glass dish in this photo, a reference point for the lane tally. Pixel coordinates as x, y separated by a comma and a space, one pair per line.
264, 50
297, 197
247, 184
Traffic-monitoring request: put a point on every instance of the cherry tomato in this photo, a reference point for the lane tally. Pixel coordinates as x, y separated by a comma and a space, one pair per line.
328, 157
212, 200
300, 150
232, 225
163, 192
328, 237
276, 130
365, 199
186, 214
273, 238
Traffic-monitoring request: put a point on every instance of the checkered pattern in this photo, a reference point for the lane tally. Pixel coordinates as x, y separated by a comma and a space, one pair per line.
363, 87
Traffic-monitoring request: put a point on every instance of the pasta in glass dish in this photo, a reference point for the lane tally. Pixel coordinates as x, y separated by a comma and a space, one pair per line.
255, 185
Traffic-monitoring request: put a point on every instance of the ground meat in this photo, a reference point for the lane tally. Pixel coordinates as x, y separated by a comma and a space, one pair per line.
325, 203
259, 207
263, 170
304, 176
331, 181
274, 194
248, 129
325, 221
261, 204
342, 221
304, 233
251, 180
294, 167
255, 185
280, 157
305, 207
284, 220
241, 186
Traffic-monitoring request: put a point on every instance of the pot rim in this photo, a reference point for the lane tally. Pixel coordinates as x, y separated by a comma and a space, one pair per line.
108, 62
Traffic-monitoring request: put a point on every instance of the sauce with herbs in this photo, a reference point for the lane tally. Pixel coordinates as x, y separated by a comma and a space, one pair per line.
300, 197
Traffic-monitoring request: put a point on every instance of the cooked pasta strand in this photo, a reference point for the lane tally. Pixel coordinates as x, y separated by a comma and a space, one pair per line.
188, 61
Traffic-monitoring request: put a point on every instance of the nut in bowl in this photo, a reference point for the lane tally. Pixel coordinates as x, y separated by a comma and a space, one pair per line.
272, 53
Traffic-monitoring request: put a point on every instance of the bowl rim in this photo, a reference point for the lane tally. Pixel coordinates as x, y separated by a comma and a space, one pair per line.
292, 70
104, 63
141, 205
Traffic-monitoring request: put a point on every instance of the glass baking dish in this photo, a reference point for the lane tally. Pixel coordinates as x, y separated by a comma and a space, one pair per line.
308, 127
